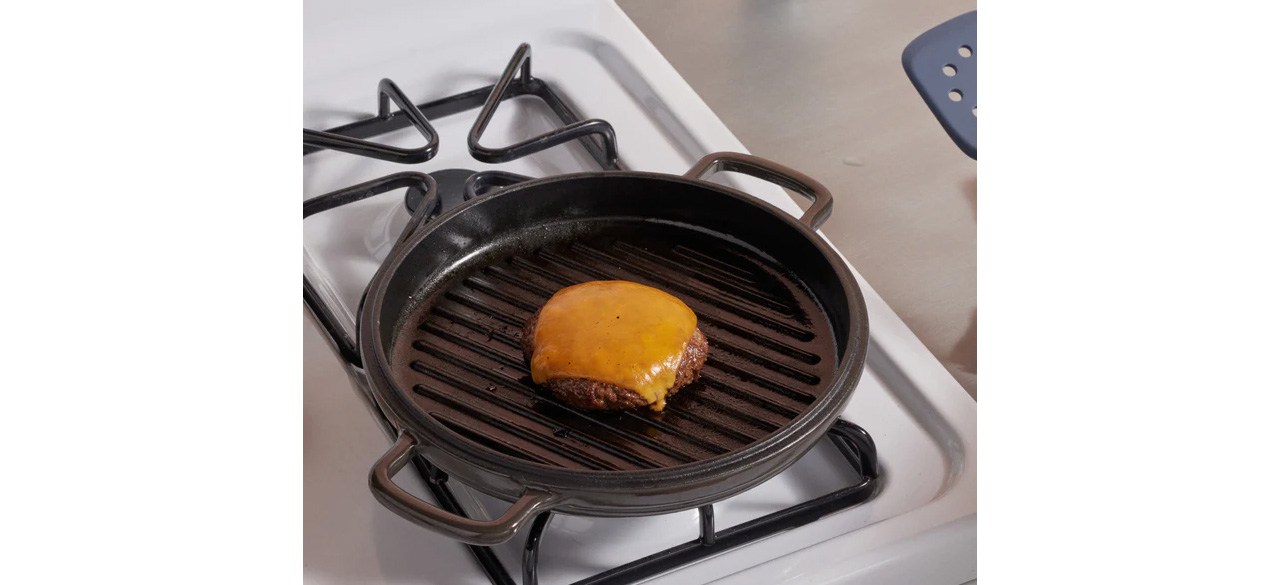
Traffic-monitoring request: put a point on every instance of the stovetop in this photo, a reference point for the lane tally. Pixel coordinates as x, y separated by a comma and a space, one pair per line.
921, 420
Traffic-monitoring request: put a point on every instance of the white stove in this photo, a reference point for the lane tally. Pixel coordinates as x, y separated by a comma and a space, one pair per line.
919, 528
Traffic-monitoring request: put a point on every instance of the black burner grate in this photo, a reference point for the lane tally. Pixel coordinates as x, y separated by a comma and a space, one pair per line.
595, 135
854, 444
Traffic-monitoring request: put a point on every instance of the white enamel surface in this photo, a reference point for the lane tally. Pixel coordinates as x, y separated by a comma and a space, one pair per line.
918, 529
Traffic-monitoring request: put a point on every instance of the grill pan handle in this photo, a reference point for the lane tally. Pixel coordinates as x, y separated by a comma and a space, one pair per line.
456, 527
774, 173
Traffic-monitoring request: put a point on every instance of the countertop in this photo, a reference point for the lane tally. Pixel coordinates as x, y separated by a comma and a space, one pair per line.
818, 85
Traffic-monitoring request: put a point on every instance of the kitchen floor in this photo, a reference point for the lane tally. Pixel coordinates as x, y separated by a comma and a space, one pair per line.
818, 85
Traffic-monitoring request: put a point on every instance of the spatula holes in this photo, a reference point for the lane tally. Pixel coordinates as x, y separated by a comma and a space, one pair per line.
965, 51
975, 111
949, 70
955, 95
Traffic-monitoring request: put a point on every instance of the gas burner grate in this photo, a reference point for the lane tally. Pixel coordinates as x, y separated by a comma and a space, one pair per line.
388, 92
854, 444
509, 86
419, 186
595, 135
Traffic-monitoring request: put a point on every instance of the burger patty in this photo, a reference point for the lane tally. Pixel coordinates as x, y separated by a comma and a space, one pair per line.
590, 394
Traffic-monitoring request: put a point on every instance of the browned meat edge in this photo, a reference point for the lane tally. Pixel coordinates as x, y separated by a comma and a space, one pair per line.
594, 395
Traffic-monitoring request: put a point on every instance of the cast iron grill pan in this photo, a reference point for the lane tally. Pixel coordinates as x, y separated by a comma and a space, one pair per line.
771, 350
439, 331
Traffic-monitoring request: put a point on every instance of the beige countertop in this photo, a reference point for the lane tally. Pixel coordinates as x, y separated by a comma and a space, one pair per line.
818, 85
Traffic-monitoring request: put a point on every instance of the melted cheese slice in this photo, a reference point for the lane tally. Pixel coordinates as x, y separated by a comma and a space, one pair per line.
613, 331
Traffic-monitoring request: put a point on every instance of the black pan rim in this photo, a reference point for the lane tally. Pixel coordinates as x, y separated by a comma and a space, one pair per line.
817, 417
